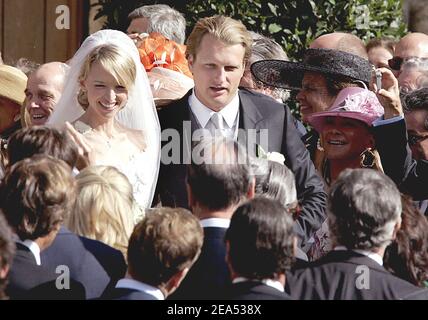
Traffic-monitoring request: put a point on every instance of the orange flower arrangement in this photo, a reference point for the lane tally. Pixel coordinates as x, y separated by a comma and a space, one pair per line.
158, 51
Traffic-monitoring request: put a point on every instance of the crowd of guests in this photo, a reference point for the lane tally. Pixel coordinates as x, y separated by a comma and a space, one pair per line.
146, 169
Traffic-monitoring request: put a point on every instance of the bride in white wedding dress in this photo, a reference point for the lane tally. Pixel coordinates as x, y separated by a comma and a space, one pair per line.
108, 101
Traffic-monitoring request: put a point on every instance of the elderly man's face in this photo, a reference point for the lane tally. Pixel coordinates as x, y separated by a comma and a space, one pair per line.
9, 110
138, 25
417, 122
314, 96
217, 70
43, 92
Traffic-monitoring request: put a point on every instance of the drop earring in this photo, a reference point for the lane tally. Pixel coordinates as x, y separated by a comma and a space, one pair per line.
367, 158
319, 146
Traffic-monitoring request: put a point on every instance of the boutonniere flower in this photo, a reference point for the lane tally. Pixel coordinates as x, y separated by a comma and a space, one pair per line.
272, 156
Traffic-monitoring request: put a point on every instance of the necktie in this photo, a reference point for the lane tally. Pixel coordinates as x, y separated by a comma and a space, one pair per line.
217, 121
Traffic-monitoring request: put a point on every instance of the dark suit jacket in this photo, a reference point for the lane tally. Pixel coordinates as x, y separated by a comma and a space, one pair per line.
209, 276
257, 111
410, 175
27, 280
94, 264
254, 290
126, 294
335, 277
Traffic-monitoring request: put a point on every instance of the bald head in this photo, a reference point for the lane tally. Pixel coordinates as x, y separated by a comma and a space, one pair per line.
342, 41
44, 89
55, 70
412, 45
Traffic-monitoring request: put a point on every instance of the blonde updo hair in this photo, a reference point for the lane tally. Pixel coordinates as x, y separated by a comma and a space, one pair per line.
104, 208
112, 58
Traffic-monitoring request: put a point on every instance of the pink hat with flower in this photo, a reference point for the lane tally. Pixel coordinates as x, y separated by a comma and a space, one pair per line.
355, 103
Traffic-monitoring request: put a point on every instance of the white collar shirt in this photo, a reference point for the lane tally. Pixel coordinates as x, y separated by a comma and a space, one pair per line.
127, 283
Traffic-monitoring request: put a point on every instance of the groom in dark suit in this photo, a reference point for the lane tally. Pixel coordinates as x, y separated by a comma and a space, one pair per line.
218, 49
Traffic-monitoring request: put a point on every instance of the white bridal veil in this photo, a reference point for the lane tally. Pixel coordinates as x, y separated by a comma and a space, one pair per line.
139, 112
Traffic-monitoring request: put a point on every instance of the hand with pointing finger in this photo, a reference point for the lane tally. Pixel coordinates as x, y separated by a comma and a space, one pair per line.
83, 147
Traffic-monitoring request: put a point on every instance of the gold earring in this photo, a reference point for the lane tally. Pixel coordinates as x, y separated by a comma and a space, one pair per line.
319, 146
367, 158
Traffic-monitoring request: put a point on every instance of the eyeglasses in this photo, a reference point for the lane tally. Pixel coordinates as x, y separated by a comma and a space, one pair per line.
395, 63
416, 138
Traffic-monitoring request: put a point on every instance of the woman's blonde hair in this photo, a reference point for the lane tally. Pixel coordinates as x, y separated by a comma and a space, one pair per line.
112, 58
104, 208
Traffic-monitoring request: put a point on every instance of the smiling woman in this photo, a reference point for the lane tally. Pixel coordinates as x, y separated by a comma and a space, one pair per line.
345, 133
347, 142
114, 120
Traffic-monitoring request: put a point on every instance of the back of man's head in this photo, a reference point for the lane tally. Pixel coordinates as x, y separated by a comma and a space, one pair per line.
364, 209
221, 177
163, 19
164, 243
36, 195
49, 141
342, 41
416, 100
260, 240
413, 44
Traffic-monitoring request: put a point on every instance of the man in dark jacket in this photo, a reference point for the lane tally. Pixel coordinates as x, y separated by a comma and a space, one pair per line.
364, 216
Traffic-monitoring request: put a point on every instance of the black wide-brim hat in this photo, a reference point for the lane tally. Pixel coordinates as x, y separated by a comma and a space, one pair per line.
289, 75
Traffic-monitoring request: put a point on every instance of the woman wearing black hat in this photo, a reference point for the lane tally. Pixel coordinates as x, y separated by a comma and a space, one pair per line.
321, 75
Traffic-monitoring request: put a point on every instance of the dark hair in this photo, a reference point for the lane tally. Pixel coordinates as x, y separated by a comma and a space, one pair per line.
41, 140
407, 255
386, 43
217, 185
364, 206
36, 194
7, 251
416, 100
164, 243
337, 83
261, 239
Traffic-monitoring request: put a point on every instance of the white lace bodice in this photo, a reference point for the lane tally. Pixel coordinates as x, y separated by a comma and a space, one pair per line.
138, 174
136, 167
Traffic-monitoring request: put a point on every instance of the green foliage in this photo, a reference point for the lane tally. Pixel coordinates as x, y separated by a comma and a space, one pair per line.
116, 11
295, 23
292, 23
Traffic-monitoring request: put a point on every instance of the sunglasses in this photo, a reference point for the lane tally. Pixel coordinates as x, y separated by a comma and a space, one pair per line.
416, 138
395, 63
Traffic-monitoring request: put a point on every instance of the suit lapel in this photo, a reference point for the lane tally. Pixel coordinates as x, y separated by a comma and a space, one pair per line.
250, 118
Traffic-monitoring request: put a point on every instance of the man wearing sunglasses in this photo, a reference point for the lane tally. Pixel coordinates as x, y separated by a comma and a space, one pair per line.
411, 45
416, 115
392, 141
